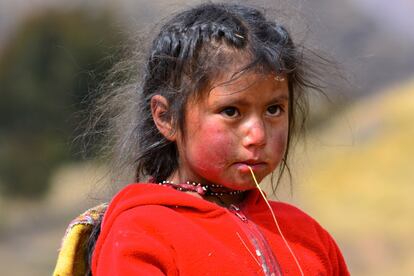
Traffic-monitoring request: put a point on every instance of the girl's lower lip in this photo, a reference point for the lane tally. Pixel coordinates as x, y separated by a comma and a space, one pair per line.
244, 167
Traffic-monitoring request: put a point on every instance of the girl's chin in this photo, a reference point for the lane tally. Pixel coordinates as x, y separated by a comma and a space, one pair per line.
258, 168
243, 184
239, 176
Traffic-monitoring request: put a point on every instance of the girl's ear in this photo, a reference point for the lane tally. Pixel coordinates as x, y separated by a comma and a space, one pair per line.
160, 110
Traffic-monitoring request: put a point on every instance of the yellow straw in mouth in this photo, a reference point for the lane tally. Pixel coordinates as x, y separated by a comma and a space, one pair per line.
275, 220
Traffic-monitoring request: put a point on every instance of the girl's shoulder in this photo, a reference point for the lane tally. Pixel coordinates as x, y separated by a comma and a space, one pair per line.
291, 212
286, 212
293, 216
290, 218
305, 230
300, 229
298, 225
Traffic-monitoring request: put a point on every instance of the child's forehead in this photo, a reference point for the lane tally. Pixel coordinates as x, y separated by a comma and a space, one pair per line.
233, 82
251, 87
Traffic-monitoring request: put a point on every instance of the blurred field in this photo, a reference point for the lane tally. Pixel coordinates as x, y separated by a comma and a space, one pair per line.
358, 181
31, 232
355, 177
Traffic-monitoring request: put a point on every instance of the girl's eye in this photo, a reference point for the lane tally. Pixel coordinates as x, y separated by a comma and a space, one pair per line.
230, 112
274, 110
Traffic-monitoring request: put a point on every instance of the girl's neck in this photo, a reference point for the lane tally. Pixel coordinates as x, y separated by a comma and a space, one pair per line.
217, 194
226, 200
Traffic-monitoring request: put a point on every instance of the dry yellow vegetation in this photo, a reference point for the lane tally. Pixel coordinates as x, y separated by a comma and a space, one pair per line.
357, 179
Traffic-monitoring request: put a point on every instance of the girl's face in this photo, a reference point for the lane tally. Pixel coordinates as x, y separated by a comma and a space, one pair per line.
239, 124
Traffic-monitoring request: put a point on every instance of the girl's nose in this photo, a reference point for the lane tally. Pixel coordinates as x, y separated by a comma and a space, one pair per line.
254, 133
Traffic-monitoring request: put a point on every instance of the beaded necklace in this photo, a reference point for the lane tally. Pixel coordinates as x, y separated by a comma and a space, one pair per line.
203, 190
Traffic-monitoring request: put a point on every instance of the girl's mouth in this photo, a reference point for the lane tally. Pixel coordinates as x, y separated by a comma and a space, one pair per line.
244, 166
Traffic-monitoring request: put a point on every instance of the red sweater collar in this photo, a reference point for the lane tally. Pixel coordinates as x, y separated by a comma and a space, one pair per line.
139, 194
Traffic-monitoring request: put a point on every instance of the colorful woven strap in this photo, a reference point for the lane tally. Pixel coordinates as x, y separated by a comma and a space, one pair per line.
72, 255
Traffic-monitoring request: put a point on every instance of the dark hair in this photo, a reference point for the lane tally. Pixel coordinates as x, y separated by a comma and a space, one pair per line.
186, 57
190, 52
184, 63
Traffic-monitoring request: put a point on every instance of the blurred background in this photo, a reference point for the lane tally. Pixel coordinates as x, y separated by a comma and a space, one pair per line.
354, 171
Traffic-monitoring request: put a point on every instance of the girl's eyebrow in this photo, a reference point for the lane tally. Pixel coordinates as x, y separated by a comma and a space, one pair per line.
280, 98
241, 101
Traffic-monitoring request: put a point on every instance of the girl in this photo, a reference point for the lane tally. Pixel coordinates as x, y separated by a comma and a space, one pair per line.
222, 92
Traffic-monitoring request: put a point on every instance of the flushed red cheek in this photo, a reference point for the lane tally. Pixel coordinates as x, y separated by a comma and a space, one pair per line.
278, 146
213, 150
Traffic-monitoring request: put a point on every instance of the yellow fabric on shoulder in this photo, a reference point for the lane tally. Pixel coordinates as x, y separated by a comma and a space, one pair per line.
72, 255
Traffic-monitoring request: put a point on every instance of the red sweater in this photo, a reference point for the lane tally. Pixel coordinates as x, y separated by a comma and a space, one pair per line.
155, 230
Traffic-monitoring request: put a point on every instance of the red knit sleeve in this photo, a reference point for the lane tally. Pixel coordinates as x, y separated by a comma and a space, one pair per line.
129, 249
337, 260
311, 240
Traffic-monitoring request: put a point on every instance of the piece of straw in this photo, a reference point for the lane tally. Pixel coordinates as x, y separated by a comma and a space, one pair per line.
275, 220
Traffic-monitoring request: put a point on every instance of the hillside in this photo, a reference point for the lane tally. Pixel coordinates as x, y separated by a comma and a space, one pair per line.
358, 181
